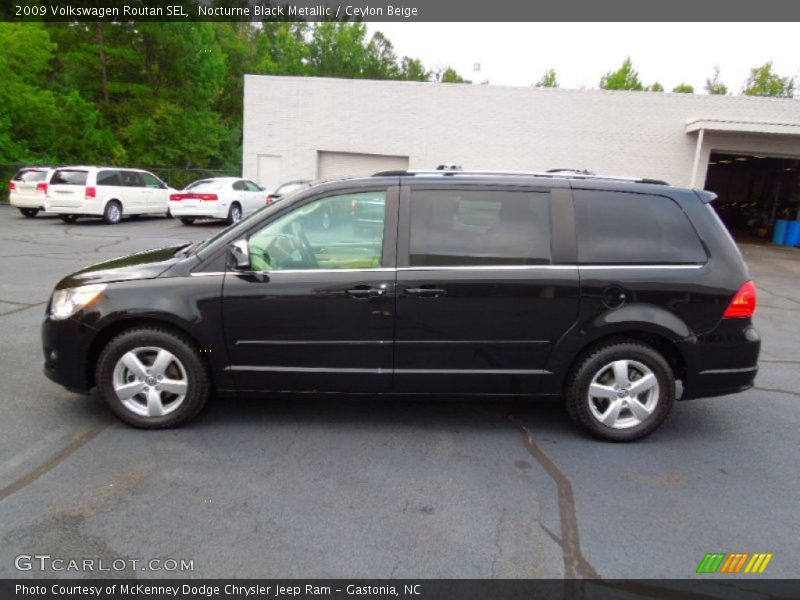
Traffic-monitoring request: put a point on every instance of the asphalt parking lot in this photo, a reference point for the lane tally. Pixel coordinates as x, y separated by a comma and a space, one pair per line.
314, 487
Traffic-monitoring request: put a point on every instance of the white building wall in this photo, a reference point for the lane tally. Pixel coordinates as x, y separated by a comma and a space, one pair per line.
637, 134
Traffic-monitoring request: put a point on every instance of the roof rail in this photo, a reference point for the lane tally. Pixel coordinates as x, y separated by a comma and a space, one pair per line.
553, 173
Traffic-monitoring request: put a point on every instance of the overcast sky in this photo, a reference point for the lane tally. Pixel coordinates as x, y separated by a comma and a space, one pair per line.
671, 53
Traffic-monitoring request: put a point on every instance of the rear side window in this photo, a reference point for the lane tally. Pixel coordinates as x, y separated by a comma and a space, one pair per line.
238, 186
30, 175
476, 228
108, 178
69, 177
630, 228
131, 179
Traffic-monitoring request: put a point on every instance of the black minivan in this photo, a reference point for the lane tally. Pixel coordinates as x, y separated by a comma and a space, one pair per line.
619, 296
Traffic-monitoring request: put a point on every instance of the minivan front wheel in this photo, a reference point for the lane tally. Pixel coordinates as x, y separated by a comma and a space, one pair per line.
152, 378
112, 214
621, 391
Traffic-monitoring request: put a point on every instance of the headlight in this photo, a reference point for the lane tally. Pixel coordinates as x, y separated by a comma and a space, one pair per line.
68, 301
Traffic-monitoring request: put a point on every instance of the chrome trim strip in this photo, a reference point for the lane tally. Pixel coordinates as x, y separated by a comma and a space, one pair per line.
387, 371
460, 268
728, 371
472, 342
304, 369
311, 342
492, 268
608, 267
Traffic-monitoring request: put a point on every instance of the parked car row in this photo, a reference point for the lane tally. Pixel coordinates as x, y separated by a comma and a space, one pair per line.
112, 193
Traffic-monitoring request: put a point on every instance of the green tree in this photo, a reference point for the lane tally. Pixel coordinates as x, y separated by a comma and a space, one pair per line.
548, 79
655, 87
624, 78
683, 88
763, 81
449, 75
714, 85
412, 69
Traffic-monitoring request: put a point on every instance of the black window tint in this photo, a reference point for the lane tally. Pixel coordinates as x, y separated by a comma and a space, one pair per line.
151, 181
30, 175
463, 228
618, 228
69, 177
108, 178
131, 179
238, 186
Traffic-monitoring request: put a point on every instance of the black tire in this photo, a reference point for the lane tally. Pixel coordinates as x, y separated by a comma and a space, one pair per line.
232, 212
592, 364
112, 213
187, 220
29, 213
198, 387
68, 218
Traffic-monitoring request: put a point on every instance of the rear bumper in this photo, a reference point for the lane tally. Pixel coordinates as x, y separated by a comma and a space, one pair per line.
216, 210
88, 207
20, 201
65, 345
724, 361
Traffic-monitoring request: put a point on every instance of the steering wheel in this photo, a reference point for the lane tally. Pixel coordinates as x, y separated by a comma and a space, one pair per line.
304, 246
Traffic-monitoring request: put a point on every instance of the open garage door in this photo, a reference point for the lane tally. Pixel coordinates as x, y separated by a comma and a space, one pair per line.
754, 191
336, 165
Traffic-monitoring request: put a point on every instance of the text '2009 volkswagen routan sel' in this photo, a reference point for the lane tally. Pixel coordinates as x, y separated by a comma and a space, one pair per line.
617, 296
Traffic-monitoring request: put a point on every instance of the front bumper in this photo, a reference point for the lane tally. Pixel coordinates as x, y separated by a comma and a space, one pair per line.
66, 345
722, 362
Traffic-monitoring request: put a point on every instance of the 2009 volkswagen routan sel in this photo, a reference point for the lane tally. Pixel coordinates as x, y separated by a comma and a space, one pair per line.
618, 296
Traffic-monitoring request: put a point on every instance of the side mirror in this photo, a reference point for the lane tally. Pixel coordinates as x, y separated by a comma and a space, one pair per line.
239, 256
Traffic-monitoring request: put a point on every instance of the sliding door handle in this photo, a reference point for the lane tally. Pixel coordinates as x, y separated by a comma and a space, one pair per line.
366, 292
425, 292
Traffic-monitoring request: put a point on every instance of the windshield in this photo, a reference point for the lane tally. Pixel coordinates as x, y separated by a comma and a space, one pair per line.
245, 223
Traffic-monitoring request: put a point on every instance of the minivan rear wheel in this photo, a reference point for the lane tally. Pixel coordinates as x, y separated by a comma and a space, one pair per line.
112, 214
29, 212
68, 218
621, 391
187, 220
152, 378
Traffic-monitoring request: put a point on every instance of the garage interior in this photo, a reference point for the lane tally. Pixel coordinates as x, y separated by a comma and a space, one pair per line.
754, 191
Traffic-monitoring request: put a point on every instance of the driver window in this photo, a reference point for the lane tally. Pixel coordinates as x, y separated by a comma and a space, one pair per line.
337, 232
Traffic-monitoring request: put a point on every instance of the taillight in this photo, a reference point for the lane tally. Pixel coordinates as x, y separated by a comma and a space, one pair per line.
41, 187
743, 303
206, 197
12, 186
91, 192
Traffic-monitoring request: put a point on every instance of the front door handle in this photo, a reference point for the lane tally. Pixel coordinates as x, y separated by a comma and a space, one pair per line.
426, 292
366, 292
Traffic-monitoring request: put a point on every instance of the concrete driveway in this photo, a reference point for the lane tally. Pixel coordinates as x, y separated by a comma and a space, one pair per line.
314, 487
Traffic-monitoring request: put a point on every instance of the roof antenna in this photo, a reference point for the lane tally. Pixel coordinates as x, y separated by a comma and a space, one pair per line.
448, 168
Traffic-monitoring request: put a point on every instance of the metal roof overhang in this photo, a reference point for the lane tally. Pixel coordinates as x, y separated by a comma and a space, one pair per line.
762, 127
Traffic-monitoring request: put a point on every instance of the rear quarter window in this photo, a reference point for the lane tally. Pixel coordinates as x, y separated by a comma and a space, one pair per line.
631, 228
69, 177
108, 178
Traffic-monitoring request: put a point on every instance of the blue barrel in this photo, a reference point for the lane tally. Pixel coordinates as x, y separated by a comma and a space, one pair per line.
792, 234
779, 237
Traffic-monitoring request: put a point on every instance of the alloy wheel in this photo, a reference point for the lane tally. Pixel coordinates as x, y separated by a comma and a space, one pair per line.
150, 381
623, 394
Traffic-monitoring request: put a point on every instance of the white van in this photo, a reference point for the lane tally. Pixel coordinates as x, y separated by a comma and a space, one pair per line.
106, 192
28, 188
